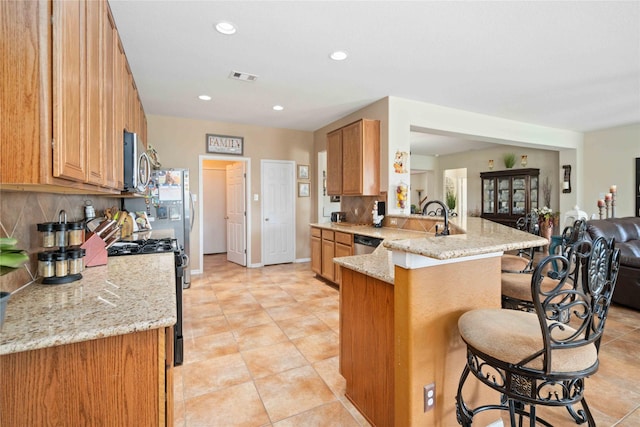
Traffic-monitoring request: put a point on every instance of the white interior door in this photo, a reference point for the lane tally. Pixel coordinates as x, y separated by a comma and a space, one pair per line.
236, 214
278, 212
214, 211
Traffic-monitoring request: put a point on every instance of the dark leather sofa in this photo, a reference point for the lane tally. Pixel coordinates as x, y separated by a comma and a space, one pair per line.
626, 231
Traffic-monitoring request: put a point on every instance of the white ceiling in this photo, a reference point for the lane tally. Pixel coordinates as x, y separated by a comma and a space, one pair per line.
570, 65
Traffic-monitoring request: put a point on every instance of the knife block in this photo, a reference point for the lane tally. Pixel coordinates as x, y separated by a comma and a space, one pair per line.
96, 253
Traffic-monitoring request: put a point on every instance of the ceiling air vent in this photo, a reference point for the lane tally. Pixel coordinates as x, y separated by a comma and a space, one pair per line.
245, 77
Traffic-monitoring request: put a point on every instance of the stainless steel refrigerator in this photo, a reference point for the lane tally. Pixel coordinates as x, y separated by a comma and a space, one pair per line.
170, 207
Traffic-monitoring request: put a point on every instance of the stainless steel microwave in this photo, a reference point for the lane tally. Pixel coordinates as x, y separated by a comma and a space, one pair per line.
136, 163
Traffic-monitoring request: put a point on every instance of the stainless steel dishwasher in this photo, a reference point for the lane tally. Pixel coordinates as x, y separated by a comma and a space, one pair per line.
364, 244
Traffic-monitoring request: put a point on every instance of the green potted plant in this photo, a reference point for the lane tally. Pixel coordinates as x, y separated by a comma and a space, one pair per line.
450, 200
11, 258
509, 160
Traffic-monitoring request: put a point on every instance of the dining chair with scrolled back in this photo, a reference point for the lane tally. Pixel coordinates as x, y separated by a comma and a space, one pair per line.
516, 287
543, 357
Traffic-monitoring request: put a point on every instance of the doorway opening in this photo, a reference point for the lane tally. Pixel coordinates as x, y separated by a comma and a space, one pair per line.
213, 218
326, 204
455, 190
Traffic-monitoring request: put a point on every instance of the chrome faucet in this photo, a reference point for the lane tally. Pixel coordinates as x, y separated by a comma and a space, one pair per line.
445, 214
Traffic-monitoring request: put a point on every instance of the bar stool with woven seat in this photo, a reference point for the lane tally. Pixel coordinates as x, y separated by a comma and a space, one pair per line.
516, 286
543, 357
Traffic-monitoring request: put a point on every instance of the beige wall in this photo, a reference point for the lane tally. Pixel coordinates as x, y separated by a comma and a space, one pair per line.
609, 158
180, 142
405, 114
379, 110
477, 161
398, 116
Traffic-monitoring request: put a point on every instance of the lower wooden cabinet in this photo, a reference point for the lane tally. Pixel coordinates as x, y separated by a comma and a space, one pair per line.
326, 245
367, 345
328, 252
316, 250
343, 247
124, 380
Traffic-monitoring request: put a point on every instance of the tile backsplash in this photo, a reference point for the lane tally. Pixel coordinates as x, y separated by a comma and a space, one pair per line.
358, 208
20, 211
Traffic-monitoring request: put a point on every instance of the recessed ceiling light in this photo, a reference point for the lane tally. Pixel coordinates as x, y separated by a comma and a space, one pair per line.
226, 28
278, 107
338, 55
205, 97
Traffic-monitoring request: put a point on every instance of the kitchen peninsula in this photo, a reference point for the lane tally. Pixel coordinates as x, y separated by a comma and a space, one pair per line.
95, 351
399, 308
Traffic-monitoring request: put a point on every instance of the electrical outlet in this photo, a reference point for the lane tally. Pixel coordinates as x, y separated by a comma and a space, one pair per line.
393, 221
429, 397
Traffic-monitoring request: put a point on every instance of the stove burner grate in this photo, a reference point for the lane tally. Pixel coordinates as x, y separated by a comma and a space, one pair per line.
143, 247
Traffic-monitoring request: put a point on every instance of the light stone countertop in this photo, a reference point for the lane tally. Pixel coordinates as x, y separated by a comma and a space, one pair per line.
129, 294
378, 264
481, 237
371, 231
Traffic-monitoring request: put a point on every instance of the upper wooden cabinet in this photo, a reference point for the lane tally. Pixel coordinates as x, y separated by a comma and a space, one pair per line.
61, 127
113, 159
334, 163
96, 59
509, 194
353, 159
69, 90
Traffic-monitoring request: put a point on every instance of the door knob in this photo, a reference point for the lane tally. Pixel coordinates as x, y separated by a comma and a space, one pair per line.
266, 219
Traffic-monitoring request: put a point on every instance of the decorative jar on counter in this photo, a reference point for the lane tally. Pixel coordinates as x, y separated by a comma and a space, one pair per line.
48, 236
76, 233
401, 194
46, 266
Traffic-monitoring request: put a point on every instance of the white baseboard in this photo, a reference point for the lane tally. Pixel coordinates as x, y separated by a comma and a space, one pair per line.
302, 260
497, 423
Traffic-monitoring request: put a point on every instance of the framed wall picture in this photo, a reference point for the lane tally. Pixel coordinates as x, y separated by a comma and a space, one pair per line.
225, 144
303, 171
303, 189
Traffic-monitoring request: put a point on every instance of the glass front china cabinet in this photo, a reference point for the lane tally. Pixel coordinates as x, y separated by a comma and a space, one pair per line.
509, 194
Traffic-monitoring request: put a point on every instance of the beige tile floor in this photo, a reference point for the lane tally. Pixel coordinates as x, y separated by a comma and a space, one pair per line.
261, 349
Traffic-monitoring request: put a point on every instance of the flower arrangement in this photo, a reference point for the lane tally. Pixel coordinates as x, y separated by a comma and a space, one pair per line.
544, 213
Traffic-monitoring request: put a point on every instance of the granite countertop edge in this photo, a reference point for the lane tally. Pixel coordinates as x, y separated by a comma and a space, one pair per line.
481, 237
130, 294
378, 264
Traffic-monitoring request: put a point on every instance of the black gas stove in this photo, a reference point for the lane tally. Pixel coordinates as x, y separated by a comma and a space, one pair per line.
136, 247
151, 246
